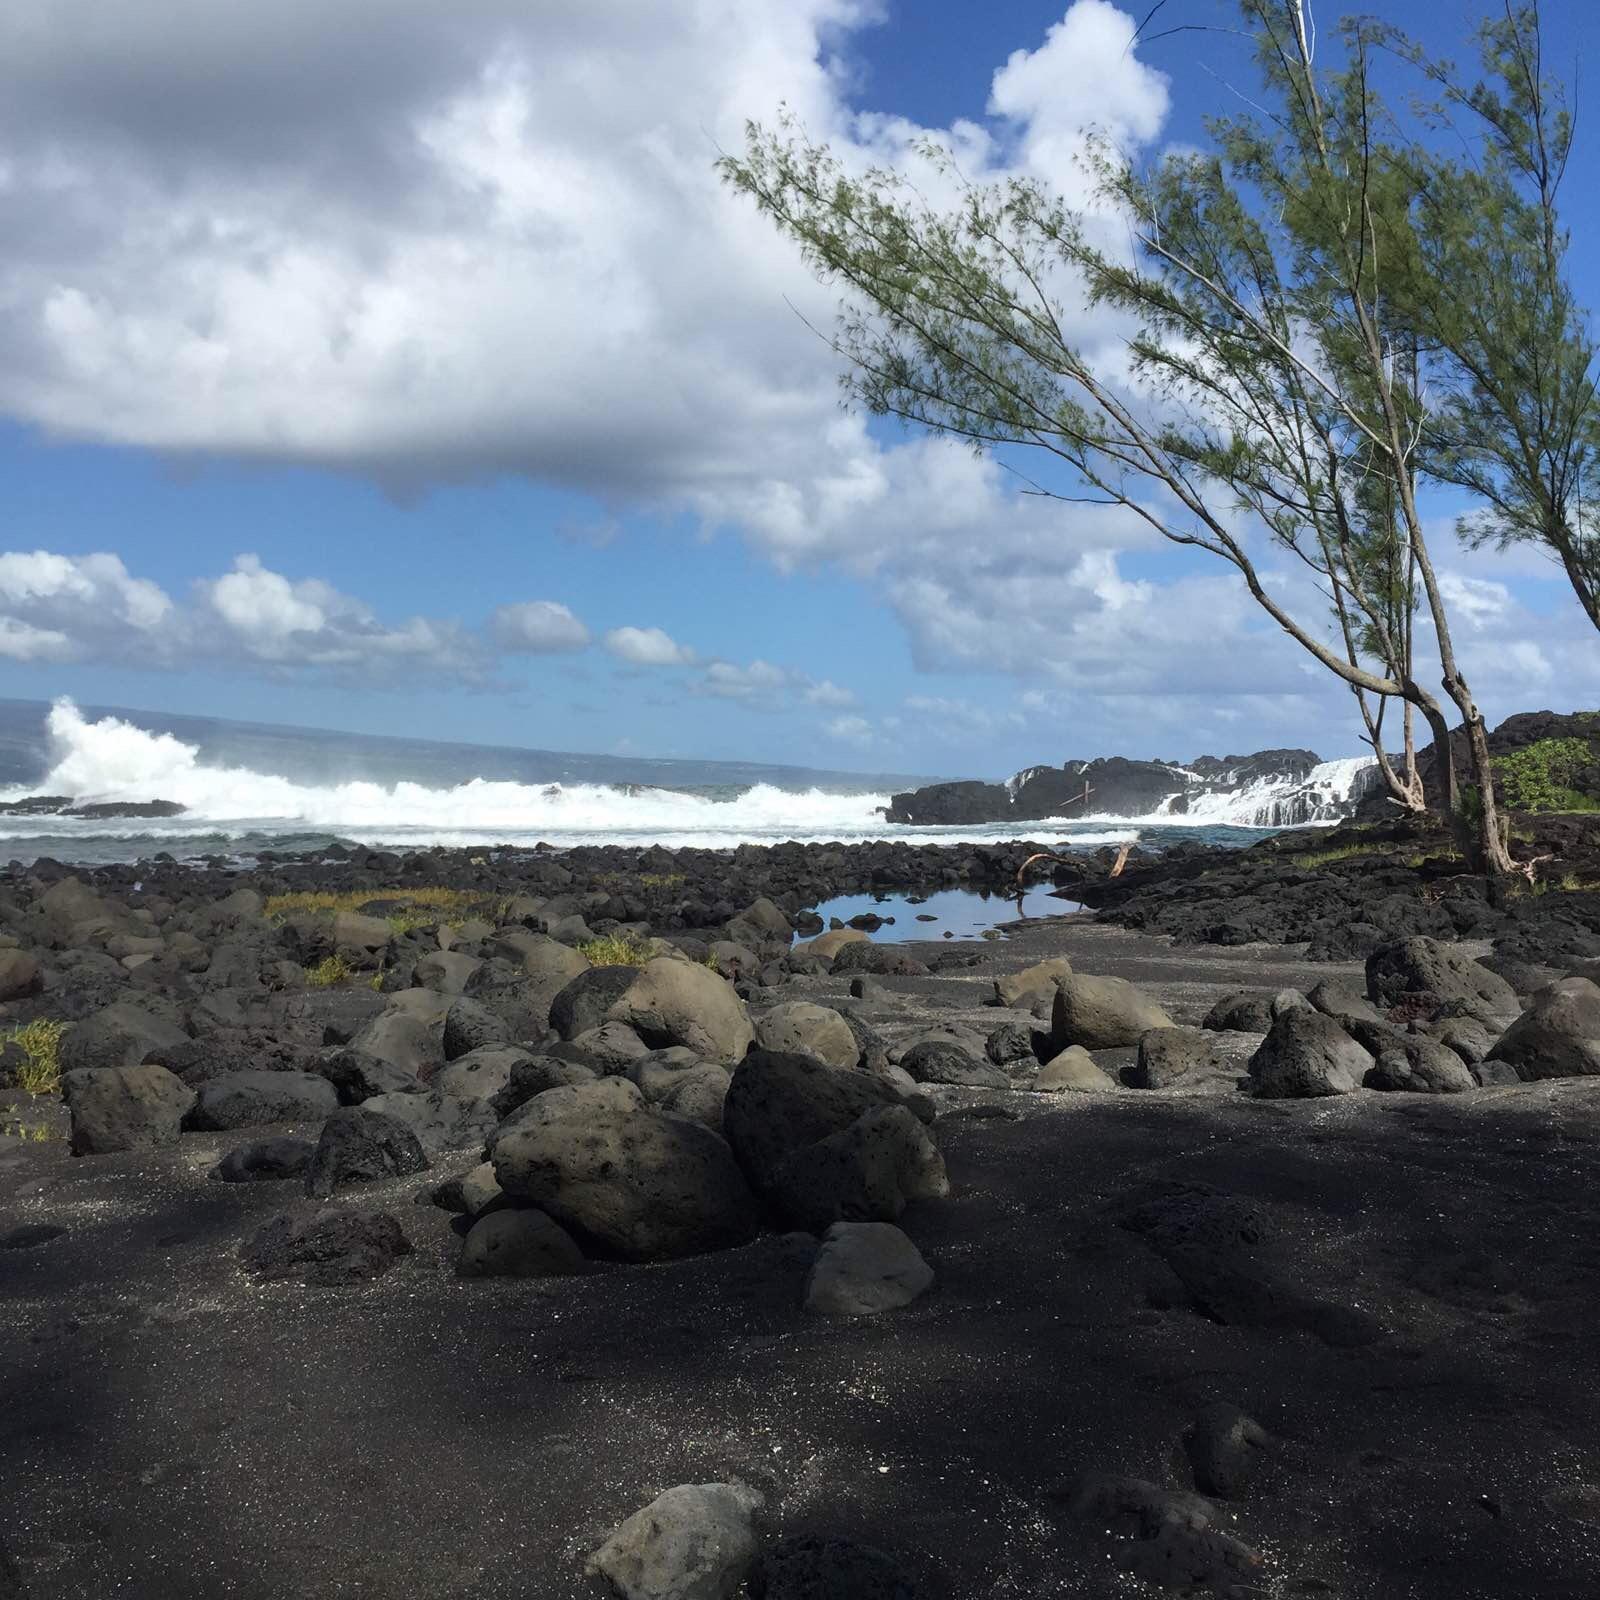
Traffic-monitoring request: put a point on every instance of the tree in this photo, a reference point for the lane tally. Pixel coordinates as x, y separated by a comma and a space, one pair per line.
1516, 419
1267, 378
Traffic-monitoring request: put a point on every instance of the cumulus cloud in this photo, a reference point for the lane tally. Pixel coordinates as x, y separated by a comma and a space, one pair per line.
537, 627
647, 647
90, 608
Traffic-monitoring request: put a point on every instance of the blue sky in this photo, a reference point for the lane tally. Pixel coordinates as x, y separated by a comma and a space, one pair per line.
431, 332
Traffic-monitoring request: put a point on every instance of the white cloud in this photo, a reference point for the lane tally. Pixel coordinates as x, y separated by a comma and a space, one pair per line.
647, 647
829, 694
849, 730
537, 627
21, 641
759, 679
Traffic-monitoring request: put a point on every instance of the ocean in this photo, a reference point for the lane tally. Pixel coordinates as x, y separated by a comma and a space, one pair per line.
248, 787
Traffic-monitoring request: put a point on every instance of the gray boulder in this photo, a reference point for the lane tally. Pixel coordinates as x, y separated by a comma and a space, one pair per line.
125, 1108
400, 1040
611, 1049
867, 1172
1174, 1057
695, 1542
470, 1025
329, 1250
1102, 1013
1307, 1056
1034, 988
1011, 1045
448, 971
265, 1161
864, 1268
583, 1002
518, 1242
642, 1184
1241, 1013
248, 1099
671, 1002
1340, 1001
806, 1029
1558, 1036
532, 1076
483, 1074
361, 1146
698, 1093
20, 975
121, 1035
1427, 967
440, 1121
881, 960
944, 1061
1074, 1069
1420, 1066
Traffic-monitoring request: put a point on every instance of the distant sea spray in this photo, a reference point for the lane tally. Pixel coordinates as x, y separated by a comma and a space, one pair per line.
235, 808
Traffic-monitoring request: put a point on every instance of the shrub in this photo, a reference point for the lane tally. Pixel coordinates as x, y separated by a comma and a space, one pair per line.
330, 971
41, 1043
1544, 776
616, 950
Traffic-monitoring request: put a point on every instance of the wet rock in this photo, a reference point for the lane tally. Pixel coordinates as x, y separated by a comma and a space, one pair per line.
326, 1251
248, 1099
361, 1146
695, 1542
1102, 1013
518, 1243
125, 1108
265, 1161
1307, 1056
864, 1268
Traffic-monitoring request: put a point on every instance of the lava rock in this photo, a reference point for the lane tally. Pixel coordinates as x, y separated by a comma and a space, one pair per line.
1102, 1013
361, 1146
864, 1268
1307, 1056
248, 1099
518, 1243
265, 1161
346, 1247
125, 1108
944, 1061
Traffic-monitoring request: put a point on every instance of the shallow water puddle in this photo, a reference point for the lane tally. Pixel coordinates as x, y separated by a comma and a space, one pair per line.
944, 913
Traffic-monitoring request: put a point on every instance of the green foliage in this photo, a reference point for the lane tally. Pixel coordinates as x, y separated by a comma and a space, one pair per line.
616, 950
417, 908
29, 1132
41, 1042
1542, 776
1310, 860
330, 972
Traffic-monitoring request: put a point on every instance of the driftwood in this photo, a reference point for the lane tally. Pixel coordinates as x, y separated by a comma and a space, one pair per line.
1045, 855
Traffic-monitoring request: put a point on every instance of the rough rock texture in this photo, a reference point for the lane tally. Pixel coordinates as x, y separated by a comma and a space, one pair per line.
1034, 988
586, 999
266, 1161
361, 1146
799, 1026
641, 1184
119, 1036
675, 1002
440, 1121
345, 1247
248, 1099
864, 1268
944, 1061
1423, 966
1558, 1036
1307, 1056
695, 1542
1418, 1065
20, 975
869, 1171
124, 1108
1102, 1013
1170, 1056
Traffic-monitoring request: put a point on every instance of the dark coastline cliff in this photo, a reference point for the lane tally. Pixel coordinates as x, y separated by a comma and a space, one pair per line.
1272, 788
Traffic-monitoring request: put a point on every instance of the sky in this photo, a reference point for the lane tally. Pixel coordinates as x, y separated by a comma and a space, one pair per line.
405, 369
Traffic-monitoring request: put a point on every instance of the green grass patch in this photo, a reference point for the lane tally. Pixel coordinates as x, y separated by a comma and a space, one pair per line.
1310, 860
32, 1132
330, 972
616, 950
41, 1043
410, 909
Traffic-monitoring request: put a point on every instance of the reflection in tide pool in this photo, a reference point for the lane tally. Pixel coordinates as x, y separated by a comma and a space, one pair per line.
960, 913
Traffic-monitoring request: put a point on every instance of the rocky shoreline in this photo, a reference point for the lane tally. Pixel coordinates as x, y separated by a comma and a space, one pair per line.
704, 1250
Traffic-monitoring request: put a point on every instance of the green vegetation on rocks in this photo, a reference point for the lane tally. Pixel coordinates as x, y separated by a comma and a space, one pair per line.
1544, 776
